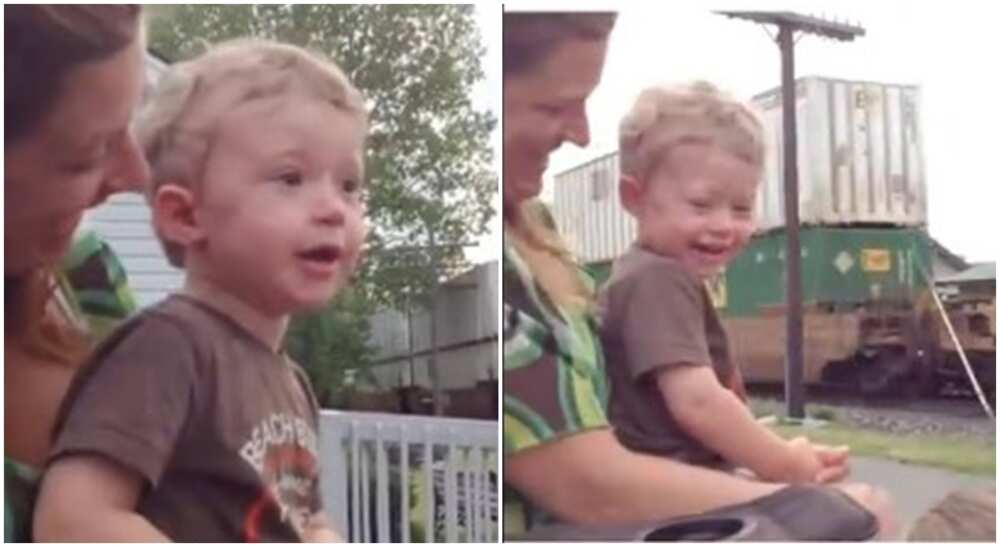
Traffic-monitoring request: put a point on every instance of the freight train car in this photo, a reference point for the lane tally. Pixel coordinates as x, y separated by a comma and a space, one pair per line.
869, 324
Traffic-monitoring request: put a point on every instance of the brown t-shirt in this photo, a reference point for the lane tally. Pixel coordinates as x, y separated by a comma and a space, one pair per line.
223, 430
654, 314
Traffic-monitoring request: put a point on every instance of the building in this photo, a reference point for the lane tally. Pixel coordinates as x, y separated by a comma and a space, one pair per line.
466, 336
978, 280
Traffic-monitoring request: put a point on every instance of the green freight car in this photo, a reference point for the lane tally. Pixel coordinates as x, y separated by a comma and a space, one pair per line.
867, 307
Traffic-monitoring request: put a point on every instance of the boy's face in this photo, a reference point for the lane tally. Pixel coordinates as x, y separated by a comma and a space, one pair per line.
281, 203
697, 207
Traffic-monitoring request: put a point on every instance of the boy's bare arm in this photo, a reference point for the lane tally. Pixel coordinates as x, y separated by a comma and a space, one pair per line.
90, 498
718, 419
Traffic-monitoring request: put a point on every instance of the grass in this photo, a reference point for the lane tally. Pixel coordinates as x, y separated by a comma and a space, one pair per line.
945, 451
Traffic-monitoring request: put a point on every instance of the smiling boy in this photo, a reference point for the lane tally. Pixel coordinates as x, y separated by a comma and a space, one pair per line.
691, 159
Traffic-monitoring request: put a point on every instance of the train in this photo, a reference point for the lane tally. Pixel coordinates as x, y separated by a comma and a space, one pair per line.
870, 324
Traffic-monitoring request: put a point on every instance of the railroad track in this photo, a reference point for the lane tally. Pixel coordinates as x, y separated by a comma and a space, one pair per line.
956, 404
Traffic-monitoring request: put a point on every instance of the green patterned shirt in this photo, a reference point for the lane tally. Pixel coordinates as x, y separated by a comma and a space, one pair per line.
554, 379
94, 292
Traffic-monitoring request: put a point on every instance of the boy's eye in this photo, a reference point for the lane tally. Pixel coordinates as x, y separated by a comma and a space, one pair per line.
291, 178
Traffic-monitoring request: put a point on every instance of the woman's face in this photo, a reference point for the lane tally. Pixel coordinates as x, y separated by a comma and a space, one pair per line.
544, 107
79, 154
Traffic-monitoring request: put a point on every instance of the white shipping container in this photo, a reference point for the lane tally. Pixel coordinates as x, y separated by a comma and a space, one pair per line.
860, 155
860, 162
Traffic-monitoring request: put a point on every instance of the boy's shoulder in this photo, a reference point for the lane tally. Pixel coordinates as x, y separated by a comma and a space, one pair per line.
176, 329
637, 265
641, 281
182, 316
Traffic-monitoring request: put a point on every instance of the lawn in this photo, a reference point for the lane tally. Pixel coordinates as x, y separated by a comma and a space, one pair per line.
963, 454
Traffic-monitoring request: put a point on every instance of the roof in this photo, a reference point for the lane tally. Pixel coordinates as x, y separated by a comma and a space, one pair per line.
983, 271
950, 258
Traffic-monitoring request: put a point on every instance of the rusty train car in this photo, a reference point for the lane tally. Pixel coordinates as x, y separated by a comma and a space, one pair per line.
870, 322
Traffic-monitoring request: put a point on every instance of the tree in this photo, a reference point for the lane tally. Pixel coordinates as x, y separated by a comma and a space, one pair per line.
332, 344
428, 156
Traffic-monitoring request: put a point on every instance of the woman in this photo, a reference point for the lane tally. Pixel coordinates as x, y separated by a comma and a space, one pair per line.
73, 76
561, 459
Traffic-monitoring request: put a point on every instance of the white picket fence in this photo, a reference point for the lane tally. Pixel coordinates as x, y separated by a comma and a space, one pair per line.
377, 468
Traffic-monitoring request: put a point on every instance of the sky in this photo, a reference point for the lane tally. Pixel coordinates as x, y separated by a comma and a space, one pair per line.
488, 94
944, 51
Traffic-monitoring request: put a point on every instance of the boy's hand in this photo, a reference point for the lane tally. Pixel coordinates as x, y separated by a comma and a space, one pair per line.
318, 530
321, 535
834, 460
806, 464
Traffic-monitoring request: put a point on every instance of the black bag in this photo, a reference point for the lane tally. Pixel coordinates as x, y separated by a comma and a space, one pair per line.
795, 513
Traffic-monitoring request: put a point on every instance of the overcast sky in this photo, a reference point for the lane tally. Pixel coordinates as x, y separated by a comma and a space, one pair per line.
945, 49
488, 94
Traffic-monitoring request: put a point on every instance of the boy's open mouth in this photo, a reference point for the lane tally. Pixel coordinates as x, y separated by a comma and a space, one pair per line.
324, 254
713, 250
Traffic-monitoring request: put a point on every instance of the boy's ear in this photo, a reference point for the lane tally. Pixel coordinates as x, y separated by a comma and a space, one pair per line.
630, 193
174, 215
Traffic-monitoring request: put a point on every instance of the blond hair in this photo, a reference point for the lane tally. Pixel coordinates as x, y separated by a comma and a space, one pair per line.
176, 126
532, 232
697, 112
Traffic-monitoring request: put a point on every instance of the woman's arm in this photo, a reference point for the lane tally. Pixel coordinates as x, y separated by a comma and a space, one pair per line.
590, 478
90, 498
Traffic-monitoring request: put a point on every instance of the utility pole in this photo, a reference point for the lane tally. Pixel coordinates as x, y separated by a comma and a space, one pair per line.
788, 23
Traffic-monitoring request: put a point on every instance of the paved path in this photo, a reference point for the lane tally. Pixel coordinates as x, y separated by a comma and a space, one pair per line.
914, 489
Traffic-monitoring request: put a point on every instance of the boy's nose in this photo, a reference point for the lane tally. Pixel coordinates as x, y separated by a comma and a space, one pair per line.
328, 205
722, 223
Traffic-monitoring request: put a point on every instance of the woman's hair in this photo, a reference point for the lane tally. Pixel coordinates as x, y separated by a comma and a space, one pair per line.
176, 126
527, 39
964, 515
534, 235
42, 45
698, 112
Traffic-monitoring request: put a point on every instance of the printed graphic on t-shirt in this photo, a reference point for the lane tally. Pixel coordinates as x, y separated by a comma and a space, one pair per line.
283, 450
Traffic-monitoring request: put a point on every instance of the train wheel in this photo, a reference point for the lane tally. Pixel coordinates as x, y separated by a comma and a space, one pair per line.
884, 375
875, 378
